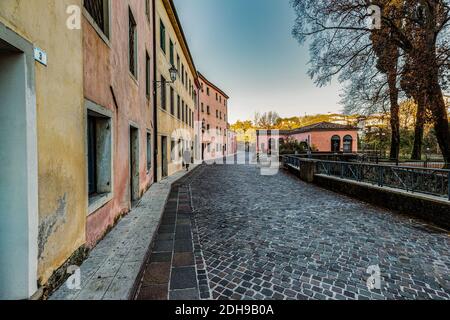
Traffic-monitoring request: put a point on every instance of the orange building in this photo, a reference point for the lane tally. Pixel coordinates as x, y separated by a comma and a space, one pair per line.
213, 115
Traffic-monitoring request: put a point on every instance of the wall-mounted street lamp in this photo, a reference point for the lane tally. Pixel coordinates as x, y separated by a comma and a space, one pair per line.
173, 77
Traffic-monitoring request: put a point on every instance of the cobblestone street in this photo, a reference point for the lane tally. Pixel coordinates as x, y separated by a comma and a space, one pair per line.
275, 237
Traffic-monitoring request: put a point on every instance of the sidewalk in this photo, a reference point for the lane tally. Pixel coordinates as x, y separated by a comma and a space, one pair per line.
113, 265
176, 269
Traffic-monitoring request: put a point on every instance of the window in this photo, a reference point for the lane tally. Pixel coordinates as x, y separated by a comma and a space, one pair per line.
162, 36
171, 53
132, 38
335, 144
182, 110
186, 113
178, 63
182, 73
147, 75
348, 144
208, 127
186, 77
147, 8
149, 151
203, 107
220, 99
99, 12
217, 97
99, 156
217, 114
172, 101
220, 115
163, 93
178, 107
207, 91
208, 111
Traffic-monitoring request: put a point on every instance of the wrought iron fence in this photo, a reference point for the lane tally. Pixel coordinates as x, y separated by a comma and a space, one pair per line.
430, 181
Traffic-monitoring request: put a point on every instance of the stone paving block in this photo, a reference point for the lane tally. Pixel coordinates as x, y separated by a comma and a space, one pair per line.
155, 292
183, 278
187, 294
183, 260
163, 246
183, 245
157, 273
161, 257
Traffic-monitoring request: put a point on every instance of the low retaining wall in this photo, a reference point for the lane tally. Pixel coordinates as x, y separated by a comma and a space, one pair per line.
428, 208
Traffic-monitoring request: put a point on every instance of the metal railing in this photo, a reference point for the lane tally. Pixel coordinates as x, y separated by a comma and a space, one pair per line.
429, 181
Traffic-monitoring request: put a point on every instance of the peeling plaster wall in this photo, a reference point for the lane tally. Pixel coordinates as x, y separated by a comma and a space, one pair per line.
60, 126
106, 65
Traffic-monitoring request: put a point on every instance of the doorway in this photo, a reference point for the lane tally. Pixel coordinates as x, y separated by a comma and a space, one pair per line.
164, 162
18, 168
134, 164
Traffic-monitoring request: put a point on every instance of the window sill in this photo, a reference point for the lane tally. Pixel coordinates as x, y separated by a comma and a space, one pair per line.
97, 29
133, 77
98, 201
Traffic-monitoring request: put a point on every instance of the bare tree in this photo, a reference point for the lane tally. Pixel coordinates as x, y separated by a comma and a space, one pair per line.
416, 30
267, 120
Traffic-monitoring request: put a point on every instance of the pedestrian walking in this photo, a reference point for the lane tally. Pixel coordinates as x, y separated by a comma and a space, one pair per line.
187, 158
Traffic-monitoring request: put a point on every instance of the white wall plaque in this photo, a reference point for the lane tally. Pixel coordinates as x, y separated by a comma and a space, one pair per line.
40, 56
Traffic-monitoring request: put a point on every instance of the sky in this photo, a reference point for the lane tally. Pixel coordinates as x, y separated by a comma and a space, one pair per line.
246, 48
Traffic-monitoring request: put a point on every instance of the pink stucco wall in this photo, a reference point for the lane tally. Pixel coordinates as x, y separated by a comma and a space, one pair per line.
220, 105
105, 66
319, 140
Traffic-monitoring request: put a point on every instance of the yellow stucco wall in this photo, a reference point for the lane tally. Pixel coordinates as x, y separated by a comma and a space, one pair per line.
167, 123
60, 126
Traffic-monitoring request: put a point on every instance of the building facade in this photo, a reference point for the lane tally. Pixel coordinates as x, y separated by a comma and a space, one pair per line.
176, 101
43, 187
320, 137
118, 106
90, 117
213, 116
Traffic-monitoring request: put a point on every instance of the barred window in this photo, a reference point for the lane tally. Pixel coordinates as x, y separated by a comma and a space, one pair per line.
133, 44
99, 11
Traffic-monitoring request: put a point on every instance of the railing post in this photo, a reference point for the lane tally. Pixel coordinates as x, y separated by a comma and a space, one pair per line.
448, 182
380, 176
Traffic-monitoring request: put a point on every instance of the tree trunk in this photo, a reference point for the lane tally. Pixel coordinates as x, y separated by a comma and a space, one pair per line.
395, 118
440, 119
419, 128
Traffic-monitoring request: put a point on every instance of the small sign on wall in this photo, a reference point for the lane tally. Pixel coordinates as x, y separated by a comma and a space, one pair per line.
40, 56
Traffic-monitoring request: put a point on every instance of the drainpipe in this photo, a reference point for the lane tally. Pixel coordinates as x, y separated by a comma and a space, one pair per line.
155, 108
